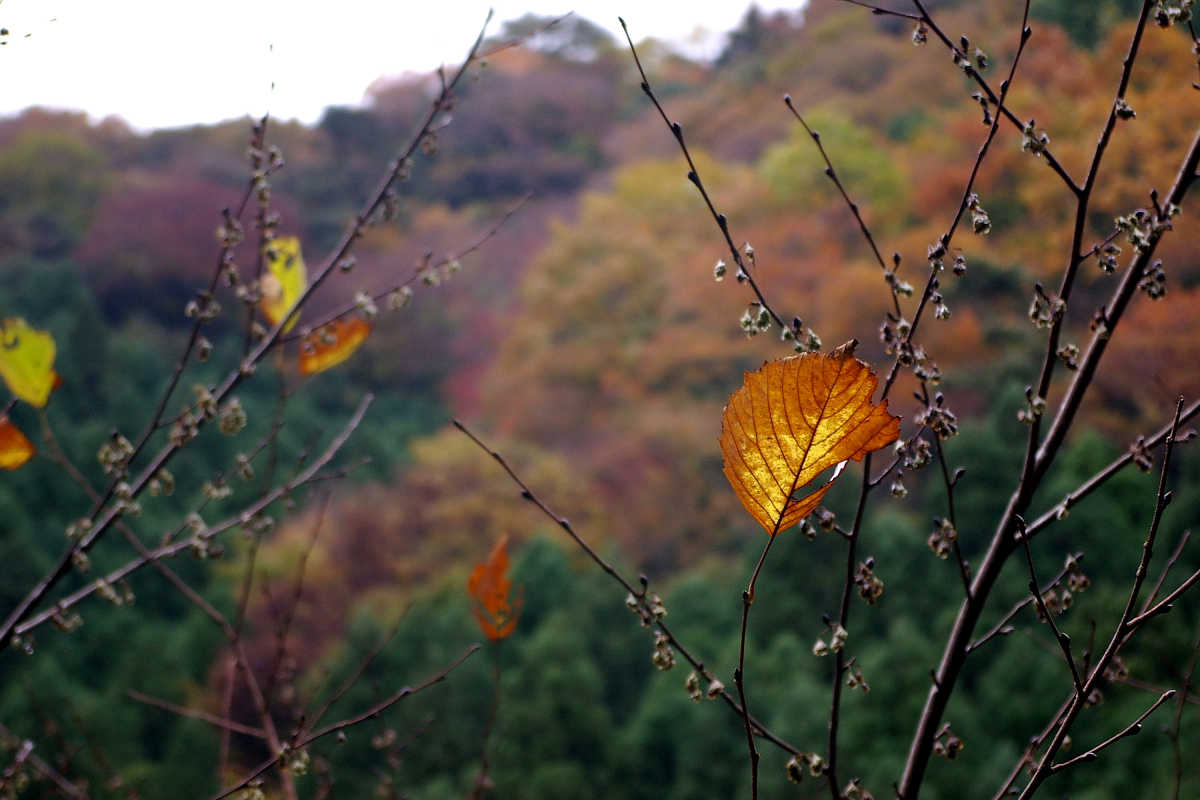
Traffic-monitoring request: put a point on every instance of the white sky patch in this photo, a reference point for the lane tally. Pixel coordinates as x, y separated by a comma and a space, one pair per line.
162, 63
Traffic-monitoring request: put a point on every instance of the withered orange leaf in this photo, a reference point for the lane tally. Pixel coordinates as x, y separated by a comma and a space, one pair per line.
15, 448
331, 344
791, 420
495, 609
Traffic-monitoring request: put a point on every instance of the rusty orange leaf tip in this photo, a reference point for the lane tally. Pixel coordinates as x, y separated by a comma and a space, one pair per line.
15, 448
493, 605
793, 419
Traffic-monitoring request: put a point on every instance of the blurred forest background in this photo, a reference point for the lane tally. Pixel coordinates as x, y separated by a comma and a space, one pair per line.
590, 342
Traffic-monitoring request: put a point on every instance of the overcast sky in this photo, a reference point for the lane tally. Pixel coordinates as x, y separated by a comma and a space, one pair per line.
160, 63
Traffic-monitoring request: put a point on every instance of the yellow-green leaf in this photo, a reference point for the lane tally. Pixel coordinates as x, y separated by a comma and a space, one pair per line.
793, 419
27, 361
284, 280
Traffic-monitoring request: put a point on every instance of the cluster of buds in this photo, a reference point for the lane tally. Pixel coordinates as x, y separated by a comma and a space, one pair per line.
1108, 257
946, 744
119, 595
855, 679
1069, 355
1033, 140
202, 307
898, 287
893, 333
837, 640
1172, 12
79, 528
216, 489
1057, 603
965, 60
869, 585
664, 656
229, 232
124, 500
939, 419
920, 34
796, 766
1035, 407
692, 686
1154, 282
114, 454
399, 298
806, 339
981, 222
1045, 310
1140, 454
232, 417
755, 320
243, 467
648, 607
914, 453
1116, 670
983, 104
255, 526
66, 622
855, 791
944, 535
1077, 579
1123, 110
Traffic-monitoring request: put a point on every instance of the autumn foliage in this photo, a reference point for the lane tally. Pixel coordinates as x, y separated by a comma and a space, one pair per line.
494, 606
792, 420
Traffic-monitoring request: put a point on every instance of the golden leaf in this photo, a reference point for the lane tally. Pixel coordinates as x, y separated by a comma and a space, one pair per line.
15, 449
793, 419
27, 361
284, 281
491, 589
331, 344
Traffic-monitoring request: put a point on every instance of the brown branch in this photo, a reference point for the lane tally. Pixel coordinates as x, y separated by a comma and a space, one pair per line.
1002, 628
173, 548
1132, 729
302, 740
638, 595
1064, 641
351, 308
203, 716
104, 516
693, 175
1125, 628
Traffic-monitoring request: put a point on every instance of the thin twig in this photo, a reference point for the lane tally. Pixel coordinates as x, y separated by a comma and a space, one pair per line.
1132, 729
639, 595
1064, 641
305, 739
203, 716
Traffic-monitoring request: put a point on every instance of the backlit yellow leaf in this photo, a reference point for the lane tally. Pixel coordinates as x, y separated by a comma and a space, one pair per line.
284, 280
331, 344
27, 361
15, 449
793, 419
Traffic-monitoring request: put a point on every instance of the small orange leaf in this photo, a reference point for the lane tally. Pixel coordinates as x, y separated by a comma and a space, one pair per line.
490, 588
15, 448
793, 419
331, 344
